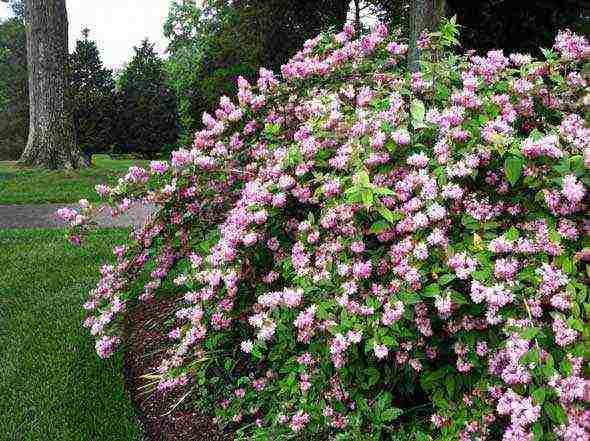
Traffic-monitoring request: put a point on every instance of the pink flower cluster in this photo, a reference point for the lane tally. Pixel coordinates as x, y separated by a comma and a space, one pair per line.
321, 226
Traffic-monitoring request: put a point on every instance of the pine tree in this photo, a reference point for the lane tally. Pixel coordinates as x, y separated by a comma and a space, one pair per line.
147, 115
90, 95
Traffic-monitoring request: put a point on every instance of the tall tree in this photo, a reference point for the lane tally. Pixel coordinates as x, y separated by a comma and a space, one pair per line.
14, 115
90, 96
214, 42
518, 26
515, 26
147, 116
425, 15
51, 142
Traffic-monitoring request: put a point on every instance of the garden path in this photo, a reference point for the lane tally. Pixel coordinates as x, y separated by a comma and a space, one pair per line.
43, 216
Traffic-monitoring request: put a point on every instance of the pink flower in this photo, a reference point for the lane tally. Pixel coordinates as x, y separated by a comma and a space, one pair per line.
380, 351
463, 264
246, 346
106, 345
573, 190
354, 336
158, 167
418, 160
564, 335
299, 421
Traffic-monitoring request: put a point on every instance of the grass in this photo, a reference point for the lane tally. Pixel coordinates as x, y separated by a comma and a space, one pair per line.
31, 186
53, 385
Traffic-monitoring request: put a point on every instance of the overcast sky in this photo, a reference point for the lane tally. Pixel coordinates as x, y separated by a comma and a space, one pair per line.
115, 25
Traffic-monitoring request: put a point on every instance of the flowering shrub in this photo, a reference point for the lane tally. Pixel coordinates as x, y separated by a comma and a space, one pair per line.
365, 252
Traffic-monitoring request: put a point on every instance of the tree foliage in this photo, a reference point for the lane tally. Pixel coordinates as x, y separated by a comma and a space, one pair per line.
147, 115
514, 26
14, 114
212, 44
522, 26
91, 97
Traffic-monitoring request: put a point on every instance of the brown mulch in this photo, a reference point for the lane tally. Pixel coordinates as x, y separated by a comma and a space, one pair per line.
158, 416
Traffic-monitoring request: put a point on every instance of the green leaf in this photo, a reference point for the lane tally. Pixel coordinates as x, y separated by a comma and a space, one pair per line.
513, 168
272, 129
481, 275
556, 413
537, 432
363, 178
431, 290
229, 364
554, 235
384, 400
417, 110
446, 279
529, 333
539, 395
367, 198
391, 414
450, 385
421, 436
576, 324
379, 226
511, 234
565, 368
383, 191
567, 265
372, 376
388, 214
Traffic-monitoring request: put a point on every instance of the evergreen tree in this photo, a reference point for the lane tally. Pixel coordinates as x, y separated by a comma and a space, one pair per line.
91, 97
147, 120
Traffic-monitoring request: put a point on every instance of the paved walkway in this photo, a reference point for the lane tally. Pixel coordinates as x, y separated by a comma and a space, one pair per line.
43, 216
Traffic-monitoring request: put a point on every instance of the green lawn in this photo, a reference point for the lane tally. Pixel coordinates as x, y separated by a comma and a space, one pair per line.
53, 385
26, 186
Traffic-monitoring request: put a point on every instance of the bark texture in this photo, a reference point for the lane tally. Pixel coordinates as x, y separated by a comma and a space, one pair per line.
424, 15
51, 142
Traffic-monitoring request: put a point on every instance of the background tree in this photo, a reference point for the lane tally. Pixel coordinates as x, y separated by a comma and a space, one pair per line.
518, 26
17, 7
14, 114
51, 140
91, 97
284, 25
424, 15
147, 115
212, 44
515, 26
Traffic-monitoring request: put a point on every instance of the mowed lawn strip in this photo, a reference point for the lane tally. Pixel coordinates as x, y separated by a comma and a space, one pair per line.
52, 383
20, 185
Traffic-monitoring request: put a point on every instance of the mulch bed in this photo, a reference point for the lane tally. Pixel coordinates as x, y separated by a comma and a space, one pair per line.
160, 420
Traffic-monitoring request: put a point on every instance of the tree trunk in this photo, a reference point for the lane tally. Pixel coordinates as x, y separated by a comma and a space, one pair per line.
51, 142
357, 17
424, 15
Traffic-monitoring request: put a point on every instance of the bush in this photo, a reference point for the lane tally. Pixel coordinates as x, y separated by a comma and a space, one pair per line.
400, 255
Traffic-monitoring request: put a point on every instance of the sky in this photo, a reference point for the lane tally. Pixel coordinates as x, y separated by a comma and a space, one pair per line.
115, 25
